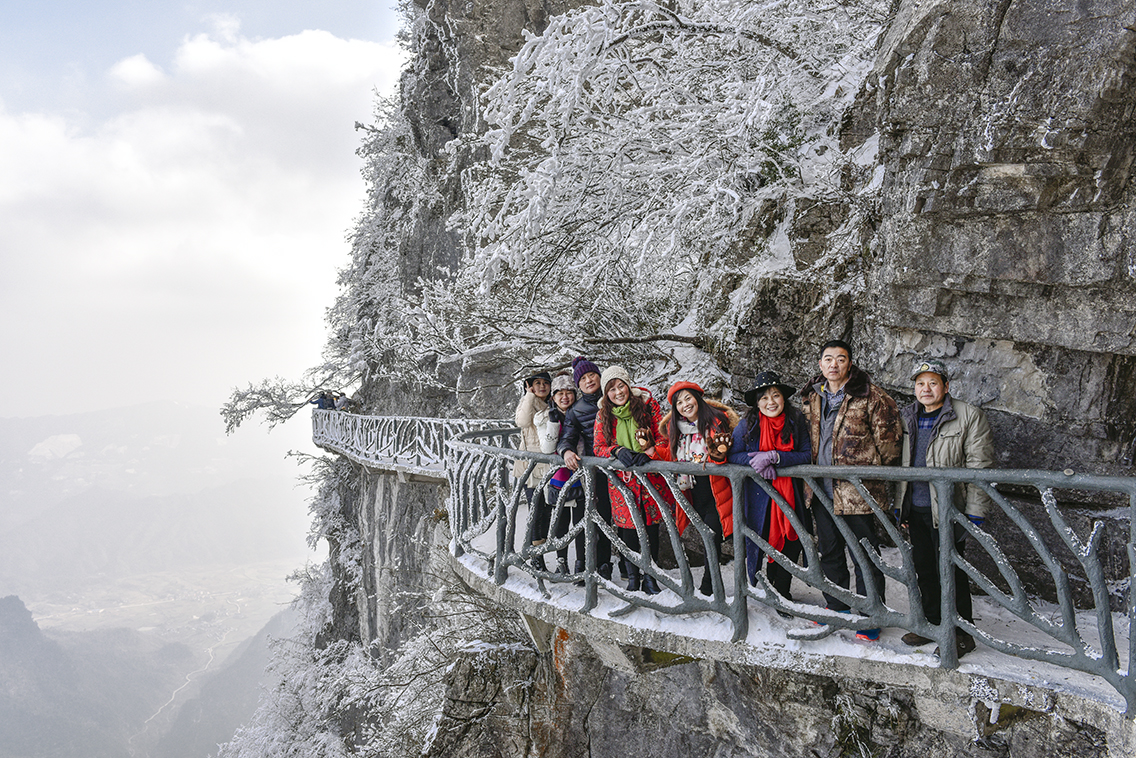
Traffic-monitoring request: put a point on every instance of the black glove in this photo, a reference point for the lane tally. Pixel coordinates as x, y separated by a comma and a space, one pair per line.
642, 459
624, 456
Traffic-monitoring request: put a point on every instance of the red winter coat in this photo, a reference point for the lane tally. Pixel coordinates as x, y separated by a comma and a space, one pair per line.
605, 442
719, 485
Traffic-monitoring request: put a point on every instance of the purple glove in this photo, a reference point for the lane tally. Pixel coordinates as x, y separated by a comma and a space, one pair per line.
762, 463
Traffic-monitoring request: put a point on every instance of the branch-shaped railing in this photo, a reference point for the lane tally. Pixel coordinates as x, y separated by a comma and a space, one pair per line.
487, 502
485, 498
404, 443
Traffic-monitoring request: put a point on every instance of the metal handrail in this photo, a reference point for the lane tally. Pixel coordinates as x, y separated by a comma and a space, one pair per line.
484, 495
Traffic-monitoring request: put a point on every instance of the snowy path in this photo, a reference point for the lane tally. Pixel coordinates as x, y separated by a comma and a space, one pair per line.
768, 632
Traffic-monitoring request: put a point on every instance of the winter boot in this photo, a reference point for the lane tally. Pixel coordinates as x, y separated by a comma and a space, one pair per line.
650, 587
707, 587
632, 578
579, 570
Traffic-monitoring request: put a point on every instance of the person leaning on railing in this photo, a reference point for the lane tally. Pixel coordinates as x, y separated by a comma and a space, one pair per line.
625, 409
549, 424
852, 422
772, 434
538, 386
941, 432
576, 439
698, 431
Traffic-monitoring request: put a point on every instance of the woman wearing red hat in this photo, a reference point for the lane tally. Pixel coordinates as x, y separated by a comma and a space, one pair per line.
691, 429
624, 410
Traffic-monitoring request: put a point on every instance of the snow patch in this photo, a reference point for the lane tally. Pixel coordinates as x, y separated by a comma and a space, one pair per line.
57, 446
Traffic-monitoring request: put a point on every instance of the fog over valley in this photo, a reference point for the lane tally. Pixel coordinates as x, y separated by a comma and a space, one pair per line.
140, 549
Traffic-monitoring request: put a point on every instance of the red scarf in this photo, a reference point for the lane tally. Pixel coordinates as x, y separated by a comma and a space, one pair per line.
780, 529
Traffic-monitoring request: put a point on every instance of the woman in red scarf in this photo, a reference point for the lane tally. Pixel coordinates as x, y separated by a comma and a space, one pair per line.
772, 434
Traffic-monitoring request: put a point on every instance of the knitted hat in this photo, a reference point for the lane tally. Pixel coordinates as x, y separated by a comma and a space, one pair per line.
562, 382
933, 365
764, 381
614, 372
679, 387
581, 366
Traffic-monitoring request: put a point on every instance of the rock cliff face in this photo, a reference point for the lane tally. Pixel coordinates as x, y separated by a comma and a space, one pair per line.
1003, 135
1006, 135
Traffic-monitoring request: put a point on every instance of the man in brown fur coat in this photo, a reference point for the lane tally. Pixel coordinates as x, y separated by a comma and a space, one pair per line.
852, 422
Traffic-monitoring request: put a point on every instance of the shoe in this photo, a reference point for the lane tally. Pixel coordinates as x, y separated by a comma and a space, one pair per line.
538, 563
633, 579
915, 640
869, 635
622, 569
604, 571
649, 585
579, 570
562, 566
707, 587
964, 644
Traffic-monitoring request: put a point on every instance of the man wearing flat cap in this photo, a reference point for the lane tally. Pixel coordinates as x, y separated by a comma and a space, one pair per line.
943, 432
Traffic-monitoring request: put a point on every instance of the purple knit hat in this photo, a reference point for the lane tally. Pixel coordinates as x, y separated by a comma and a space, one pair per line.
581, 366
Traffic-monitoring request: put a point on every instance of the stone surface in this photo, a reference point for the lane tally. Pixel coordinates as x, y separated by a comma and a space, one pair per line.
568, 703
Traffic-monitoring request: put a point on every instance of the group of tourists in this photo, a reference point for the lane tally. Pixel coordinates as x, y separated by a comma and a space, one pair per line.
843, 419
335, 401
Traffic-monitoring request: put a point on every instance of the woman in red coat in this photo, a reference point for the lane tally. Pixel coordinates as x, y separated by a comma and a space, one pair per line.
692, 429
623, 410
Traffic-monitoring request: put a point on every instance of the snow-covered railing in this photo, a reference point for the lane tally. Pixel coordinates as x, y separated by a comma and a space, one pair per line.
409, 444
486, 502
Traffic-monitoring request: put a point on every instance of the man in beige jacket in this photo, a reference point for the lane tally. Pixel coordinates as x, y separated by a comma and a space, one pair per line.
942, 432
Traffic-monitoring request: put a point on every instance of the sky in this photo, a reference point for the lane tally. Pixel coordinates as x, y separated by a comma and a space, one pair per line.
177, 181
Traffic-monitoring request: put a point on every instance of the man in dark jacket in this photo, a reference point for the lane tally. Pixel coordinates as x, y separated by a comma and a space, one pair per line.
575, 440
852, 422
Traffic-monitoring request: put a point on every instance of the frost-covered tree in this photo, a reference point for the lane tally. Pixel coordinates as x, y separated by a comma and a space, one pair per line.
634, 153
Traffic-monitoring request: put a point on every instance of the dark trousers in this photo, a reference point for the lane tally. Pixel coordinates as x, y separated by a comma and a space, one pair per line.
571, 513
832, 546
541, 513
603, 508
779, 577
925, 555
706, 506
630, 538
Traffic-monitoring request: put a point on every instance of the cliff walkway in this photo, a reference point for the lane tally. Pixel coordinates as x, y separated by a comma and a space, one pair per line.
1073, 647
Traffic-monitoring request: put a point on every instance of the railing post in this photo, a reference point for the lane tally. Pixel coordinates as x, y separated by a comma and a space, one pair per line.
948, 614
741, 570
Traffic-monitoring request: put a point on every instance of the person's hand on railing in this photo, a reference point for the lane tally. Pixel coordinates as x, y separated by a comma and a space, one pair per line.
624, 456
571, 460
763, 463
718, 446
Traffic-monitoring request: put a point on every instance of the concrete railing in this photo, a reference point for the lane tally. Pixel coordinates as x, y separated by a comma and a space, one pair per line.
488, 512
489, 515
409, 444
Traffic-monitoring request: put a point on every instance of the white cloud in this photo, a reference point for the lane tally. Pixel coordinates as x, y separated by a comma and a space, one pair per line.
189, 243
136, 71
